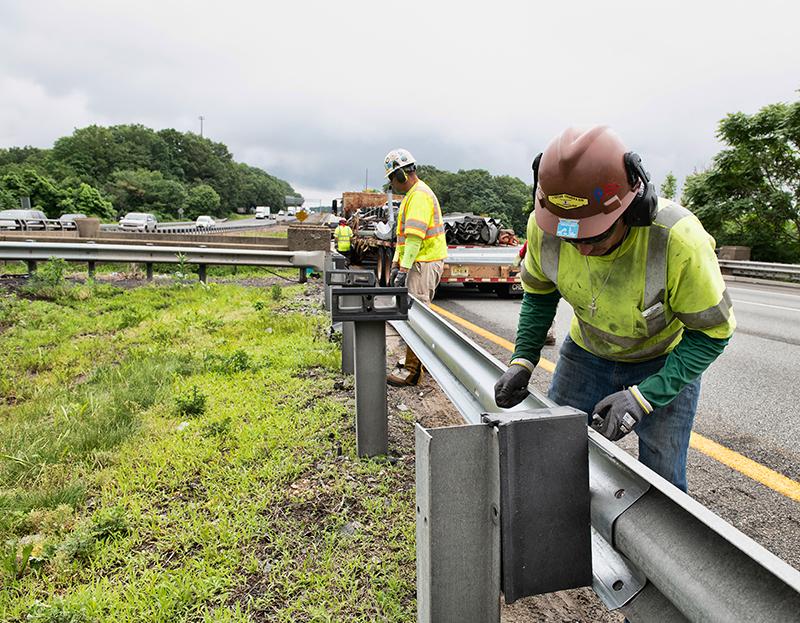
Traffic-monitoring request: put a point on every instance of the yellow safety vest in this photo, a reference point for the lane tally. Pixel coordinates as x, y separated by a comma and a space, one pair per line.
420, 215
661, 279
342, 235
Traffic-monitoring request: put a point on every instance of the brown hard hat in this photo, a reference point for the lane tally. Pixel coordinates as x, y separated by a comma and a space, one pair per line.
583, 183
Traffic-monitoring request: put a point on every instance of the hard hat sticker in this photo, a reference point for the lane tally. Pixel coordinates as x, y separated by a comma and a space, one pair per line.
567, 228
567, 202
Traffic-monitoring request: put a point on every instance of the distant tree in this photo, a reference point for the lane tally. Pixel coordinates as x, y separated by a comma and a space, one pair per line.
146, 191
202, 199
751, 193
478, 191
45, 195
87, 200
669, 186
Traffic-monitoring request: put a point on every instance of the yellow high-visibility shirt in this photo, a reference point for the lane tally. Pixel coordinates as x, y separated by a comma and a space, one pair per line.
420, 215
660, 280
343, 236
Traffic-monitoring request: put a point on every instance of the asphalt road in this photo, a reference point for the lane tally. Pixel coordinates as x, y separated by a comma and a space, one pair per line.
749, 403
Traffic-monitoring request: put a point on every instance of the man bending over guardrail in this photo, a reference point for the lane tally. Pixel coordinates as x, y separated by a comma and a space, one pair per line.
651, 308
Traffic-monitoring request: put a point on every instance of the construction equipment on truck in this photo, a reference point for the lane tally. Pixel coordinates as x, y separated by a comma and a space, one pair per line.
481, 251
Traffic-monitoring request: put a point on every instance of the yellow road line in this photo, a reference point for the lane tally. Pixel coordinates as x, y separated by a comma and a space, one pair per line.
543, 363
766, 476
738, 462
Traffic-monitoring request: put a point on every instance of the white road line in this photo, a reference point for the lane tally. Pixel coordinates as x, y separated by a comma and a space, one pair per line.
794, 309
765, 292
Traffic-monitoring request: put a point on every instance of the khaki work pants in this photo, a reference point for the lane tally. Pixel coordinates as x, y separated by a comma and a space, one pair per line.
423, 279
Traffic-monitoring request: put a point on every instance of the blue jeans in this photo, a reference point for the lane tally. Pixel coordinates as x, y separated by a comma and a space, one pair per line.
582, 379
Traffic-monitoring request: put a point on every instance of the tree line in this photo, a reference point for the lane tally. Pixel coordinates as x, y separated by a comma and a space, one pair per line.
503, 197
108, 171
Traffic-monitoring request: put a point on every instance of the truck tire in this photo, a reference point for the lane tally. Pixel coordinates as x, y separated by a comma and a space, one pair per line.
509, 290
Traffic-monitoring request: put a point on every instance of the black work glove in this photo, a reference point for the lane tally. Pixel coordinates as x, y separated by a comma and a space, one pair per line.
618, 414
393, 274
400, 280
512, 388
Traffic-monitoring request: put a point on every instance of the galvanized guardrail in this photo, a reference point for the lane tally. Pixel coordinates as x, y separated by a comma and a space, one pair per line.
201, 255
657, 554
761, 269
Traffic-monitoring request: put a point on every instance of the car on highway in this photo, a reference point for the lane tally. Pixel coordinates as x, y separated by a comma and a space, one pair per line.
23, 219
66, 218
138, 221
204, 222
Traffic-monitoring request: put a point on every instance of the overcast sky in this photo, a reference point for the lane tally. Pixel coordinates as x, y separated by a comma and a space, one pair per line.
318, 92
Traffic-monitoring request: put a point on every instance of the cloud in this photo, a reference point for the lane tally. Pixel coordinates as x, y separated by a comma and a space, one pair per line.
317, 92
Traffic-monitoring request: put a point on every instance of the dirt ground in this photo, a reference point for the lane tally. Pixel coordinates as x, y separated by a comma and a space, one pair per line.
432, 409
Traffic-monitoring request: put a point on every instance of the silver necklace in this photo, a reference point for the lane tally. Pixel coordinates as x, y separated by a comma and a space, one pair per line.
593, 306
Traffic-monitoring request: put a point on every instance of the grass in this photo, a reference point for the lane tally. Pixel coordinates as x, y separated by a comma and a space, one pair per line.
186, 453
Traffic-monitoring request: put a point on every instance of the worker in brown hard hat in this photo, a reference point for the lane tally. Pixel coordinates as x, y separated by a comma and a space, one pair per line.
651, 311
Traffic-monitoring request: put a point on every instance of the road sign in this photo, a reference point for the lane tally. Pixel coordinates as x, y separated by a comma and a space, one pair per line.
301, 215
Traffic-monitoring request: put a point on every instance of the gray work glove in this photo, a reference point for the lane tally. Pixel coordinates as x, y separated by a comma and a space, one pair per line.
393, 274
400, 280
512, 388
618, 414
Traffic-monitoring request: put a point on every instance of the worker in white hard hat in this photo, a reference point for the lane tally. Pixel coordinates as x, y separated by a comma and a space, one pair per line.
421, 246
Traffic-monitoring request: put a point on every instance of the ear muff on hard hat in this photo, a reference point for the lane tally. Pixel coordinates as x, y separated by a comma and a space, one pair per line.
582, 183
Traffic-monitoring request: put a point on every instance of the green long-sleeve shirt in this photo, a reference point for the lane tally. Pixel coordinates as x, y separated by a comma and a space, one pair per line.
688, 360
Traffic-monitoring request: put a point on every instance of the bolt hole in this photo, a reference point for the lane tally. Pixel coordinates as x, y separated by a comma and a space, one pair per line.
619, 493
495, 512
618, 585
418, 511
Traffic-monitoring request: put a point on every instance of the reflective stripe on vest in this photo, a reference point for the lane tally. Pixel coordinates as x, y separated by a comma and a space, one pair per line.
530, 280
653, 310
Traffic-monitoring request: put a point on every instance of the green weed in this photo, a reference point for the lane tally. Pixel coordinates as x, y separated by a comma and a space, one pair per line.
190, 404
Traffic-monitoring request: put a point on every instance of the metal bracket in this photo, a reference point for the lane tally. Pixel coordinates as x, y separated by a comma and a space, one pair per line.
613, 491
350, 278
616, 581
544, 497
369, 304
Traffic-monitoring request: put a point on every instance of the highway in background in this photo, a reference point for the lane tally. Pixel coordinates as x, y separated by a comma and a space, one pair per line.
750, 404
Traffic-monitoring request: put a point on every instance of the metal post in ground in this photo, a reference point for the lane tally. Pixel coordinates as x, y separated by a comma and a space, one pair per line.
348, 348
149, 266
372, 426
302, 276
90, 269
369, 309
31, 266
201, 272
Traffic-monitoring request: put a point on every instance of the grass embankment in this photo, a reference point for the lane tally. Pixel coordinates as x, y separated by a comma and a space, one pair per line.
186, 453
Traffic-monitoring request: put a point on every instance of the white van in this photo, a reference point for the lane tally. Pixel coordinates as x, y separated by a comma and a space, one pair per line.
262, 212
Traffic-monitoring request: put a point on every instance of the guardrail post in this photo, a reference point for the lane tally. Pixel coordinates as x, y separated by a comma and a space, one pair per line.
369, 309
348, 279
31, 266
90, 269
302, 277
458, 524
149, 267
201, 272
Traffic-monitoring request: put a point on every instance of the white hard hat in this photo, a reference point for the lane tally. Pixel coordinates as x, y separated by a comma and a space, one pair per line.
397, 159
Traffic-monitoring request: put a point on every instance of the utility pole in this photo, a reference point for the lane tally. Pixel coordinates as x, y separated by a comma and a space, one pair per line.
201, 117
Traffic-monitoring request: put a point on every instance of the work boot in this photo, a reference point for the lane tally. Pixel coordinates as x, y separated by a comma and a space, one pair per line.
409, 374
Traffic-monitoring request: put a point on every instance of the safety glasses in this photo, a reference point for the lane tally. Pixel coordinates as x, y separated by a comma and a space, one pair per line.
602, 237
